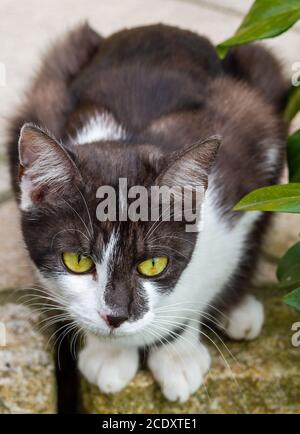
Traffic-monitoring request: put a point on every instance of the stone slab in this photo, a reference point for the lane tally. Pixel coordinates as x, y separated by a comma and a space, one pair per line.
27, 373
16, 270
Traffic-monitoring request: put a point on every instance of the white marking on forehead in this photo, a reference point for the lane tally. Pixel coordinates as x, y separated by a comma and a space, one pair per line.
101, 126
104, 267
110, 249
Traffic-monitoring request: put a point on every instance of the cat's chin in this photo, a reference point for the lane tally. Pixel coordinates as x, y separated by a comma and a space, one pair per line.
115, 334
118, 337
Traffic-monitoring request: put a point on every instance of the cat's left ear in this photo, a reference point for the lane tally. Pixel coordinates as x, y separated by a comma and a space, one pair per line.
45, 167
191, 167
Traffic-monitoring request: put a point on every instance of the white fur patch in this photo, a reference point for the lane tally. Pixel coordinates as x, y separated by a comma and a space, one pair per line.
26, 188
271, 158
102, 126
246, 320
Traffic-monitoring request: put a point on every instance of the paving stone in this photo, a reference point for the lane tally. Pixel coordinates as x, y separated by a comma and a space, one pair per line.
16, 270
27, 377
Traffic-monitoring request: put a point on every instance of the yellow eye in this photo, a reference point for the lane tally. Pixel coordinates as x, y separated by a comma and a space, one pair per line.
77, 263
153, 267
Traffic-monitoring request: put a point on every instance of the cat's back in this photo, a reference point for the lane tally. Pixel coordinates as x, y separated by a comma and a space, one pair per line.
143, 73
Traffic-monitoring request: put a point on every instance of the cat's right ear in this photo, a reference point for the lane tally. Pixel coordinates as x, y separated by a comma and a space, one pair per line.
45, 166
191, 166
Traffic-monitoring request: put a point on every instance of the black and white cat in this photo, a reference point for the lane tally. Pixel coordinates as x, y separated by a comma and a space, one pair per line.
144, 104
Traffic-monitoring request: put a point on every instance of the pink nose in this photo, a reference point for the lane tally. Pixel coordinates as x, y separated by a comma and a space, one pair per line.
103, 315
113, 321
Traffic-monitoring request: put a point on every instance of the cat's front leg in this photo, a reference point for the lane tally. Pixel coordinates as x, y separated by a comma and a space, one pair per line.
108, 366
179, 366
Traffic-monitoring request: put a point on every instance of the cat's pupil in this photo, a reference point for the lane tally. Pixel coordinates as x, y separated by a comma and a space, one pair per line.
153, 262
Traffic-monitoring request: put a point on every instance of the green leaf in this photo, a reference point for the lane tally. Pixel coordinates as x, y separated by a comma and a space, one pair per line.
291, 279
293, 104
293, 154
293, 299
265, 19
289, 260
277, 198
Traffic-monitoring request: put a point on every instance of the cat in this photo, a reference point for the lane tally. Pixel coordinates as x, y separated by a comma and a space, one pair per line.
150, 105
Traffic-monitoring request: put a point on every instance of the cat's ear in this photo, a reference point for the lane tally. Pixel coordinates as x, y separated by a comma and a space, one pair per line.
45, 166
190, 168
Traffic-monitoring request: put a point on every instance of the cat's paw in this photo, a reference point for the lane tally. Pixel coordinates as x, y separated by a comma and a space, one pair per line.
245, 321
179, 374
111, 369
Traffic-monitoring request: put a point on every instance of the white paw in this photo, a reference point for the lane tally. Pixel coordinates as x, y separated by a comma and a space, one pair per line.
111, 369
179, 375
246, 320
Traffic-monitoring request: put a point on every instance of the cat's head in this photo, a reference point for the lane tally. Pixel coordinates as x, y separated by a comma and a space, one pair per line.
110, 276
